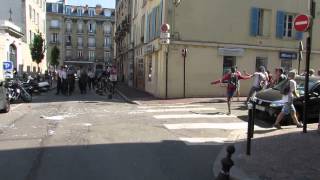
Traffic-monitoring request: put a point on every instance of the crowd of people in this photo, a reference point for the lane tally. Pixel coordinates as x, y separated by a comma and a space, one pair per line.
263, 79
99, 80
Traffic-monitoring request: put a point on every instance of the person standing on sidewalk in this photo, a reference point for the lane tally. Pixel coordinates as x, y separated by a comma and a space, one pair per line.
232, 79
113, 78
59, 81
91, 79
289, 91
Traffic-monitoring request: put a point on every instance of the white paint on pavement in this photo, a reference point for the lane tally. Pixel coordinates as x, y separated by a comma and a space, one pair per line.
215, 140
192, 116
171, 110
222, 126
169, 106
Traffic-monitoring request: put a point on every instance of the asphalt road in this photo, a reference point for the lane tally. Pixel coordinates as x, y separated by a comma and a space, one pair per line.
91, 137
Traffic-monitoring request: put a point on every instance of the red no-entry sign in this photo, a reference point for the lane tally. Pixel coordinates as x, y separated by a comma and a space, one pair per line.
302, 23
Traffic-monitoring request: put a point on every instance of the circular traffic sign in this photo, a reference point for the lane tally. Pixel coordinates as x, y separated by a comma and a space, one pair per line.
302, 22
165, 28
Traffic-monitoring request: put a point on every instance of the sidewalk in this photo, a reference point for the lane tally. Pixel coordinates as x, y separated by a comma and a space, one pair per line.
135, 96
286, 154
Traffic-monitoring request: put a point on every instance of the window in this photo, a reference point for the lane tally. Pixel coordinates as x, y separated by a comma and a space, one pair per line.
260, 22
91, 27
107, 41
286, 64
285, 26
91, 12
91, 42
38, 18
79, 11
107, 28
54, 37
68, 53
228, 62
54, 23
150, 68
68, 10
288, 26
80, 42
30, 12
68, 40
34, 15
68, 26
80, 54
91, 55
261, 61
107, 56
80, 29
107, 12
55, 7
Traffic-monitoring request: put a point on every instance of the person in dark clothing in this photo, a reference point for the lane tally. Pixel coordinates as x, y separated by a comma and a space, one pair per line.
83, 80
280, 76
59, 80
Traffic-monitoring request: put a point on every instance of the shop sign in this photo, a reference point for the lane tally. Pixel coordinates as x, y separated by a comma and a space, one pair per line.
288, 55
230, 51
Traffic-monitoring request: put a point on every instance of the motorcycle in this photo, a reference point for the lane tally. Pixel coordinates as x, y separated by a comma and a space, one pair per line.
16, 91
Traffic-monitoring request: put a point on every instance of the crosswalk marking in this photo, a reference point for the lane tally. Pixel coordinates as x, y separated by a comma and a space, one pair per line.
192, 116
222, 126
172, 110
204, 140
170, 106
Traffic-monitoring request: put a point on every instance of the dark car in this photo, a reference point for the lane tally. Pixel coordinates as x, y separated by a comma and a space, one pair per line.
4, 98
270, 100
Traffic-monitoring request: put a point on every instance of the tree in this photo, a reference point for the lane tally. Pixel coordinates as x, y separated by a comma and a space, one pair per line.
55, 53
37, 48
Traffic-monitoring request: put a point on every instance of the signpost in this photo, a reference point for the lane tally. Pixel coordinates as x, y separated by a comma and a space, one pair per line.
184, 55
7, 69
165, 41
303, 23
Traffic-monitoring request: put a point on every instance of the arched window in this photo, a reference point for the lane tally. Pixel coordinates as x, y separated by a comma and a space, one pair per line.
13, 54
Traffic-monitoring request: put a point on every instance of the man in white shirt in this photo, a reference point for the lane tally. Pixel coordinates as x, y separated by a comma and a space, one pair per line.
259, 79
288, 107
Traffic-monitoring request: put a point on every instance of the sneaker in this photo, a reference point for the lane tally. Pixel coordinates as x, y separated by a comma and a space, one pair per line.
299, 125
277, 126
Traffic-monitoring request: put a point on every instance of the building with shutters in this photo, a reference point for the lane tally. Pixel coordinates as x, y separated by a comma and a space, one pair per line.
218, 35
19, 21
84, 35
123, 39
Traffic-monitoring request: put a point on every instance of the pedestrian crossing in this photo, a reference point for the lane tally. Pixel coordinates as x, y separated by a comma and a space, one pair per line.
195, 120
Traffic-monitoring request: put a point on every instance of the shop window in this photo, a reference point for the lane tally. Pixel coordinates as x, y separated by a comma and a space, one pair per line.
228, 62
261, 61
150, 69
286, 65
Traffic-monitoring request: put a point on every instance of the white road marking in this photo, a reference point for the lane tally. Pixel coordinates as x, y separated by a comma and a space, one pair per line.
204, 140
222, 126
192, 116
301, 23
15, 107
171, 110
169, 106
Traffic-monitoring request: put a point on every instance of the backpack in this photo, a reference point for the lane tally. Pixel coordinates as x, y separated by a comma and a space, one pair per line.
285, 89
233, 81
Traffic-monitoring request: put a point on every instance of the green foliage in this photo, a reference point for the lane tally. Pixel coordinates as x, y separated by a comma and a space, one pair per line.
37, 48
55, 53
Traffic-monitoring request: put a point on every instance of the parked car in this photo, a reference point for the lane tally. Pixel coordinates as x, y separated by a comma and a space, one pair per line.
4, 98
269, 101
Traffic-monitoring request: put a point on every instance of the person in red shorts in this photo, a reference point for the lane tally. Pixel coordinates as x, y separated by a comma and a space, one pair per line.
232, 79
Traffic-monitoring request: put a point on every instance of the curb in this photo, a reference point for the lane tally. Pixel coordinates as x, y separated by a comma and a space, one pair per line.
124, 97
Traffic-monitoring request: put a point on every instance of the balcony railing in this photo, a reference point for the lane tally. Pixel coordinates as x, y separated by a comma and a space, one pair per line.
80, 31
68, 44
68, 30
54, 42
54, 26
91, 31
91, 45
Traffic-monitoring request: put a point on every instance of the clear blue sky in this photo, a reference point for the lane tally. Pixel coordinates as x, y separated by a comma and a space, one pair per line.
104, 3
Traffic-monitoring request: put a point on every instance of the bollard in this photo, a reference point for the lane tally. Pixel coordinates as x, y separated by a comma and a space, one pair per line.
227, 164
249, 133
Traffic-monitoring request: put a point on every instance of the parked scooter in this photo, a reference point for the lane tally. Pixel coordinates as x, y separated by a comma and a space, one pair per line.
16, 91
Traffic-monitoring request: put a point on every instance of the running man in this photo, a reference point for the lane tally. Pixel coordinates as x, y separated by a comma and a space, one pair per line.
232, 78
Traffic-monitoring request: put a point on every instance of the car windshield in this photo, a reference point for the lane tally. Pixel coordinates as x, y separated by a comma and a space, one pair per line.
300, 86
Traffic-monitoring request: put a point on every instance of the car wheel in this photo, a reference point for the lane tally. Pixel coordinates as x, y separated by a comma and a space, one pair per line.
6, 107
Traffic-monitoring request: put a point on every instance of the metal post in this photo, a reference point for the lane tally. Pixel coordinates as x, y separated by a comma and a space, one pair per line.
306, 86
253, 117
167, 54
250, 107
184, 76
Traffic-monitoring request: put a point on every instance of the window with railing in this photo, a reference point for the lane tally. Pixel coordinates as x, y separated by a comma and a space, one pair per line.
91, 12
54, 23
91, 27
91, 42
80, 27
92, 55
68, 40
80, 42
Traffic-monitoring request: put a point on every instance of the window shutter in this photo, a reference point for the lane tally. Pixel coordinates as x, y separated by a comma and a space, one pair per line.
147, 29
299, 35
280, 24
49, 7
60, 10
153, 24
254, 21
